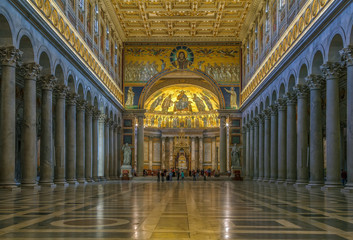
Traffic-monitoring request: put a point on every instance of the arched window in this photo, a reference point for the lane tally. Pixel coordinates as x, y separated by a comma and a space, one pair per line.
96, 25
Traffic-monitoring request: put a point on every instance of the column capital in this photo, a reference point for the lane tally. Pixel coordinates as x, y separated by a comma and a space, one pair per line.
10, 56
302, 90
274, 109
282, 104
291, 98
30, 71
89, 110
81, 105
261, 117
71, 99
102, 117
347, 55
332, 70
315, 82
267, 113
61, 90
107, 121
256, 121
243, 130
96, 114
48, 82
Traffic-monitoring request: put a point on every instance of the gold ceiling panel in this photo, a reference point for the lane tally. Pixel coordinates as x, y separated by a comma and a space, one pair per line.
175, 20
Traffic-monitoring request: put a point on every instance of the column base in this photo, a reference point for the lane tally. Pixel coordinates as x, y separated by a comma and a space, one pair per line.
81, 180
10, 187
272, 180
72, 182
289, 182
30, 186
280, 182
89, 180
265, 180
47, 185
259, 179
347, 189
300, 184
61, 184
314, 186
331, 188
96, 179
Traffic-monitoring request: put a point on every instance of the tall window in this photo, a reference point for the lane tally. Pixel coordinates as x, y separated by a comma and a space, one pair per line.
107, 39
256, 40
116, 55
96, 25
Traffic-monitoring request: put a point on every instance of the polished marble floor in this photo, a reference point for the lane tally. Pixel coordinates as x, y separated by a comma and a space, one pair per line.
176, 210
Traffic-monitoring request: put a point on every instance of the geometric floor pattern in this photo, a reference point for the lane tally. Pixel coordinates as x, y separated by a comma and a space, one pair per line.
176, 210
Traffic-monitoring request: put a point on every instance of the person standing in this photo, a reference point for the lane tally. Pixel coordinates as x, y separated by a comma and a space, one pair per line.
162, 176
170, 176
344, 177
178, 174
159, 175
182, 175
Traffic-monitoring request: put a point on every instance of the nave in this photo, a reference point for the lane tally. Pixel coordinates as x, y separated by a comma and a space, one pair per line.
175, 210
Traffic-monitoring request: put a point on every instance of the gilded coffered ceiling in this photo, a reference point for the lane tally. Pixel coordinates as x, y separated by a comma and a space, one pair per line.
181, 20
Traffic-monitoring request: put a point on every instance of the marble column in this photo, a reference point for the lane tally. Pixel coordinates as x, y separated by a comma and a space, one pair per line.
150, 153
106, 148
193, 153
9, 57
201, 152
247, 156
274, 143
256, 149
347, 54
118, 156
140, 140
302, 92
291, 157
46, 141
116, 151
267, 145
261, 148
88, 143
214, 155
171, 148
244, 150
332, 73
282, 138
96, 116
111, 150
251, 149
163, 160
29, 129
71, 138
315, 83
223, 144
80, 144
60, 130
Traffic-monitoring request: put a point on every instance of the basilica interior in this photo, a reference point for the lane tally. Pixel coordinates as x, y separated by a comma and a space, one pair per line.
176, 119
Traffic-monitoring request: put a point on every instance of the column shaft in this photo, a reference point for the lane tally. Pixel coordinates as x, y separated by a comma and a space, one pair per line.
71, 139
10, 56
140, 140
223, 144
193, 156
252, 149
96, 115
150, 153
80, 145
256, 150
261, 148
46, 143
111, 150
88, 144
247, 157
29, 129
214, 155
171, 158
274, 143
282, 138
291, 138
201, 152
163, 160
106, 148
267, 148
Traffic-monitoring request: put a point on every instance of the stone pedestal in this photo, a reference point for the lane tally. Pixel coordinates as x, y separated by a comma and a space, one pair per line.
126, 172
236, 173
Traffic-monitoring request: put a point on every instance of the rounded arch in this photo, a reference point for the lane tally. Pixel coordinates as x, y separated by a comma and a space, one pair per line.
256, 110
282, 90
26, 46
317, 61
267, 102
291, 83
303, 73
6, 38
44, 61
274, 96
146, 90
335, 45
59, 74
89, 98
95, 103
71, 84
261, 105
80, 91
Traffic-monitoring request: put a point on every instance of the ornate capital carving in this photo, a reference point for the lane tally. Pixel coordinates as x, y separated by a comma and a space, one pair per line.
282, 104
261, 117
315, 82
347, 55
30, 71
107, 121
89, 110
71, 99
332, 70
81, 105
61, 91
256, 121
267, 114
48, 82
291, 98
10, 56
102, 117
302, 90
96, 114
274, 109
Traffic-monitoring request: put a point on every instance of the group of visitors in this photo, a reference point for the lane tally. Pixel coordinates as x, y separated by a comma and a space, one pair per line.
165, 175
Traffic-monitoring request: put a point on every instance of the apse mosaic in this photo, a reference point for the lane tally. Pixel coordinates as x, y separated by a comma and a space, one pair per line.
221, 63
231, 97
181, 106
